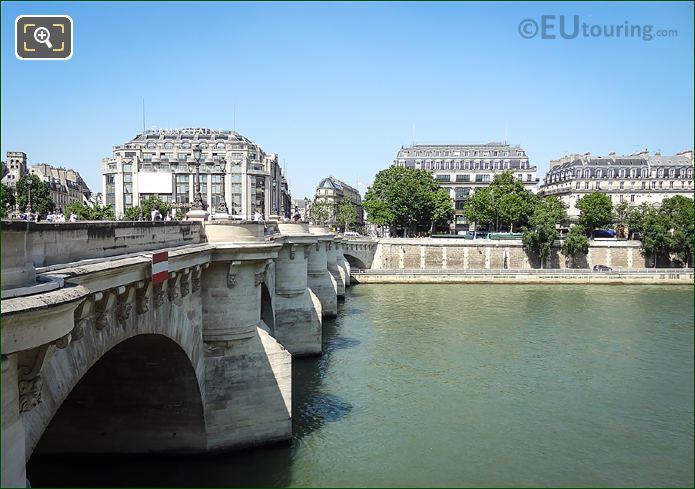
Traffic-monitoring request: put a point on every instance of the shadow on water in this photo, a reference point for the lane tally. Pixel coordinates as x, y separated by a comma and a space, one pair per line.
267, 466
311, 407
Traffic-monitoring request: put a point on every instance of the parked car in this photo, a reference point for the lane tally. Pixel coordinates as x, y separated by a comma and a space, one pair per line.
602, 268
351, 234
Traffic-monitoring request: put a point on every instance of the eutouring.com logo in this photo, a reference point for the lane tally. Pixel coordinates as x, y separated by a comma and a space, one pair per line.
572, 27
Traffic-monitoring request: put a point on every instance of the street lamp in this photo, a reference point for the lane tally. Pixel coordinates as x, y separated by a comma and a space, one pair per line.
198, 203
222, 205
29, 182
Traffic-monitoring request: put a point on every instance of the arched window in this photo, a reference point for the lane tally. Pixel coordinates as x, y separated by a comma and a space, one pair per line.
185, 145
219, 146
168, 145
671, 173
599, 173
151, 145
660, 173
644, 173
611, 173
586, 173
203, 145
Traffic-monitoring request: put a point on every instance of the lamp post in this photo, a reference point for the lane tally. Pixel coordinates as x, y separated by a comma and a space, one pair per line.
198, 203
29, 182
222, 205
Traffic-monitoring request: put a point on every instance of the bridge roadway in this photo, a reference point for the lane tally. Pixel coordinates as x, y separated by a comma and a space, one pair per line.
96, 358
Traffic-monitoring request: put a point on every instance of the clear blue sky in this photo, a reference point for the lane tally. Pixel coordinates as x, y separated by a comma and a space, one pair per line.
336, 88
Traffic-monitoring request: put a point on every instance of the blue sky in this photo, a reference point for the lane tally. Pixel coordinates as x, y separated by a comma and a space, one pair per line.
336, 88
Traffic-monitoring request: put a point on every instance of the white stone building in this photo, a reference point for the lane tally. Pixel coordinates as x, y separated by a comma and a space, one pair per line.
637, 178
463, 169
157, 163
66, 185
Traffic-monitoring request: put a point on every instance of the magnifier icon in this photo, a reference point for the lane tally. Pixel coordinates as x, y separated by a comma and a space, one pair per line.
43, 36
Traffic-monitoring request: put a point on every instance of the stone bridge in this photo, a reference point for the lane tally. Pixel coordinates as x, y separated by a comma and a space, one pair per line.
359, 252
99, 358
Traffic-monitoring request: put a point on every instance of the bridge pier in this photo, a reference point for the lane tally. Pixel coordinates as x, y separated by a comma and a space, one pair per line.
297, 308
321, 281
248, 374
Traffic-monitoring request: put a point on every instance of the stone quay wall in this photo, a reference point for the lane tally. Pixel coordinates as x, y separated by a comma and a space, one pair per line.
458, 254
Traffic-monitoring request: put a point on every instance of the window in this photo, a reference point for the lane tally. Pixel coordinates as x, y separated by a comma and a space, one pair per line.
151, 145
217, 187
463, 178
443, 178
459, 204
586, 185
219, 146
182, 184
599, 173
577, 185
127, 167
185, 145
203, 145
670, 184
147, 157
661, 184
644, 185
622, 185
168, 145
632, 198
482, 178
461, 193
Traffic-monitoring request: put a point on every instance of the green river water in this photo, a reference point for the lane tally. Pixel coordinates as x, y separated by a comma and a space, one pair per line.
469, 385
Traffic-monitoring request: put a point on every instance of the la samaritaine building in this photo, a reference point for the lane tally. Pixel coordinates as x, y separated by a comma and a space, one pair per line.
232, 168
462, 169
635, 179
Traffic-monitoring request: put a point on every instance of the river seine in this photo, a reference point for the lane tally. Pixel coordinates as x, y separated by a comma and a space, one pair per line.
469, 385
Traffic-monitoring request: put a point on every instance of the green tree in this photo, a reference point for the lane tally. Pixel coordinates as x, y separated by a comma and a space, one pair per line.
86, 213
575, 244
505, 200
635, 219
320, 212
479, 208
347, 214
621, 211
541, 232
679, 211
655, 234
133, 214
41, 201
144, 210
8, 199
403, 197
596, 211
442, 210
512, 203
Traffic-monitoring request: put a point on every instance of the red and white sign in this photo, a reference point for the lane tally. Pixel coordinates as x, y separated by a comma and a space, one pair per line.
160, 267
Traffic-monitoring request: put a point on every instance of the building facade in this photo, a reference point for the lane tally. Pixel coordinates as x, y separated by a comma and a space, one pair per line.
334, 192
462, 169
635, 179
14, 168
233, 170
66, 185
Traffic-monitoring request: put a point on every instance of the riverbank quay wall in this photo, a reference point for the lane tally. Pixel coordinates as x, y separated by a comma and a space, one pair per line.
99, 357
669, 276
483, 254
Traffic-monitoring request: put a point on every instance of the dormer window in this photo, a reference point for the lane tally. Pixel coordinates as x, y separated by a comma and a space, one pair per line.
151, 145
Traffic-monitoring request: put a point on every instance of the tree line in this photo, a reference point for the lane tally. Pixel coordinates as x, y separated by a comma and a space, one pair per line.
408, 198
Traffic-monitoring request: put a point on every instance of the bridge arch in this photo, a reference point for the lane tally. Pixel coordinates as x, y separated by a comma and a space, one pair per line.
170, 333
141, 396
267, 310
354, 261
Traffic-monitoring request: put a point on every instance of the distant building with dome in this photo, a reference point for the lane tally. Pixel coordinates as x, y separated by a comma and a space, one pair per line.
333, 192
